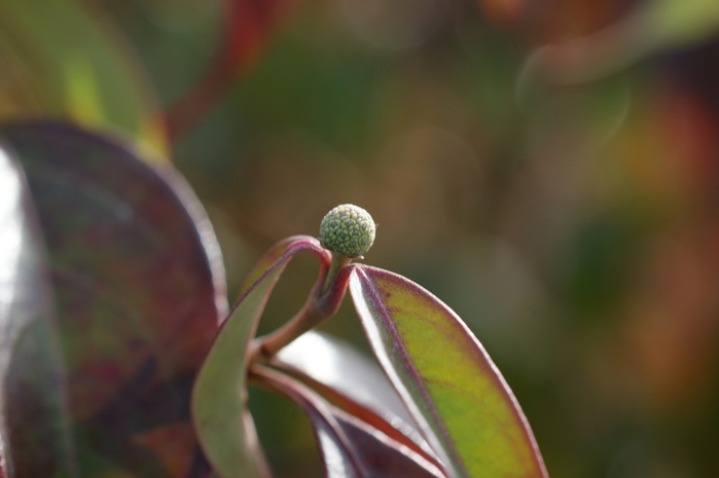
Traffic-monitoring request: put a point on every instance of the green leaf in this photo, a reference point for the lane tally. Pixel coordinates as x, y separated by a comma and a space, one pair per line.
219, 402
137, 281
35, 436
445, 377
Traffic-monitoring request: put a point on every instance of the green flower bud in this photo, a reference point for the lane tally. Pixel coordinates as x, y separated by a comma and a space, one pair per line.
347, 230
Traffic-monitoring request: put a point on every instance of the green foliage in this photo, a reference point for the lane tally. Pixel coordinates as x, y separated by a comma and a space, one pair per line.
441, 369
549, 170
66, 64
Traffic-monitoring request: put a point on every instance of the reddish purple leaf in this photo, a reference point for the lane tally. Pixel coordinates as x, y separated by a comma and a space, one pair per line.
138, 286
349, 447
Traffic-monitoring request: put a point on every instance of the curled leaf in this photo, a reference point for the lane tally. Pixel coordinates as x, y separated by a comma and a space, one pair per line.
219, 402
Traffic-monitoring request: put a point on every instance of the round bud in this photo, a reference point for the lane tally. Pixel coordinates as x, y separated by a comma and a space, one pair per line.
347, 230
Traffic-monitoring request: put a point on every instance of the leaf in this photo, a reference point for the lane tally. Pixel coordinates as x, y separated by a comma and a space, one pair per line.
31, 390
61, 58
248, 27
219, 402
349, 446
445, 377
354, 383
337, 365
137, 280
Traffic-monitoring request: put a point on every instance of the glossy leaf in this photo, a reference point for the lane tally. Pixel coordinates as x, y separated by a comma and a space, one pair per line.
31, 376
338, 365
349, 446
446, 378
354, 383
138, 288
219, 403
60, 58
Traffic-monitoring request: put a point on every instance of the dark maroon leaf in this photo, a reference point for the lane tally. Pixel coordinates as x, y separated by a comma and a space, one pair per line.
139, 293
34, 434
349, 446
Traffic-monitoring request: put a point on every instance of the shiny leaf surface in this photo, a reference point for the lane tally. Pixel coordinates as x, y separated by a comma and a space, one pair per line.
219, 402
138, 288
338, 365
353, 383
31, 375
446, 378
349, 446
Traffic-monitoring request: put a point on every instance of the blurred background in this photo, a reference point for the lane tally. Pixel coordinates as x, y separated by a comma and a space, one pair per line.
549, 168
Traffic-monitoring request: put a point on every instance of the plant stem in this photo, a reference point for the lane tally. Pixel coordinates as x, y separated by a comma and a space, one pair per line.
267, 346
323, 302
338, 262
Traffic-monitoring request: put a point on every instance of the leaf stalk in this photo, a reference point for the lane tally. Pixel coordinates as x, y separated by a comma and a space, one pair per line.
323, 302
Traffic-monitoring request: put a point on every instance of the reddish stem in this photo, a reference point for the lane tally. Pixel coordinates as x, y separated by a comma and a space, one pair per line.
323, 302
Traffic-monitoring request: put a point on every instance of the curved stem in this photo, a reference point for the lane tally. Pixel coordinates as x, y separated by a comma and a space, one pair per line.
323, 302
267, 346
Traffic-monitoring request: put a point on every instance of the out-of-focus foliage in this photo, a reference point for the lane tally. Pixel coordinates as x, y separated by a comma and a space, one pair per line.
60, 58
563, 200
